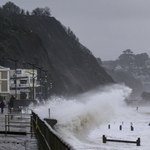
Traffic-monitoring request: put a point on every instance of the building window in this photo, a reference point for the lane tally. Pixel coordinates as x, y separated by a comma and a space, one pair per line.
15, 82
4, 87
23, 95
18, 71
31, 80
23, 81
4, 75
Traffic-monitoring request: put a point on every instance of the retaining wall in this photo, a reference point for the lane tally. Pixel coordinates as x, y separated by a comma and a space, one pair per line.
48, 139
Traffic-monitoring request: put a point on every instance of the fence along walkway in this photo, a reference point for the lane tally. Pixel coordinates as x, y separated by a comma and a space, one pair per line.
16, 132
18, 124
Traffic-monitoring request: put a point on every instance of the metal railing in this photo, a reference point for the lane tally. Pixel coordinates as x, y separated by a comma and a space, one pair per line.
19, 120
105, 139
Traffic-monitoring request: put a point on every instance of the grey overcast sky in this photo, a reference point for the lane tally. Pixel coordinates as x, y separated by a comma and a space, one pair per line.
106, 27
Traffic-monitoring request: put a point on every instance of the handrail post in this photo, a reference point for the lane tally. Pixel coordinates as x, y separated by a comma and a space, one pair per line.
5, 124
31, 125
8, 122
138, 142
49, 113
104, 139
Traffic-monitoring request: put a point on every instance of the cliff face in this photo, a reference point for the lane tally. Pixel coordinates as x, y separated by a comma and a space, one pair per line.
45, 42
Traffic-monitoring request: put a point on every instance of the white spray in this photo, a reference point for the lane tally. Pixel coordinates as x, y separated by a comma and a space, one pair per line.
76, 117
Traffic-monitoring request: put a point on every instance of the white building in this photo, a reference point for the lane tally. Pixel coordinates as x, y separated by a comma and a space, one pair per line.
4, 82
23, 83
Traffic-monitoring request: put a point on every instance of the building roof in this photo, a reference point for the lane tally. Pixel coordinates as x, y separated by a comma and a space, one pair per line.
4, 68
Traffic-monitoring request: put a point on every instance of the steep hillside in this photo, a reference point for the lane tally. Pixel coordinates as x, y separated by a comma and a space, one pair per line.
43, 41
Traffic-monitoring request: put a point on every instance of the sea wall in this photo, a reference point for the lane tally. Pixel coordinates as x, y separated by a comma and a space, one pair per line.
47, 137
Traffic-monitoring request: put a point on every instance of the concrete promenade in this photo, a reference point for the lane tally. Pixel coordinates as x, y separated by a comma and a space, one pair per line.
16, 142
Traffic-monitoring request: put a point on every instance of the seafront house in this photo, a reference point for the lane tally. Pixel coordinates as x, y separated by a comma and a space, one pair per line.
4, 83
23, 83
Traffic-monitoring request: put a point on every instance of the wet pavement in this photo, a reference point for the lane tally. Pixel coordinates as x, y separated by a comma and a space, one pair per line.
18, 123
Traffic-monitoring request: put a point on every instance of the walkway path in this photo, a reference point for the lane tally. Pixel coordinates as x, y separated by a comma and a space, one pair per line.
16, 142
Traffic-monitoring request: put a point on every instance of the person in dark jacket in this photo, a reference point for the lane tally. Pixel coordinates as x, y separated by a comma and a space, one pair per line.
2, 105
11, 103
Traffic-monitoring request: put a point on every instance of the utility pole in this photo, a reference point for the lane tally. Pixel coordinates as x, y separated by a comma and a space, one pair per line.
40, 77
33, 82
33, 87
15, 77
45, 81
46, 85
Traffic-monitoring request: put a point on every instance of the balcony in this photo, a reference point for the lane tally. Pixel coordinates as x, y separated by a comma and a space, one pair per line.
23, 86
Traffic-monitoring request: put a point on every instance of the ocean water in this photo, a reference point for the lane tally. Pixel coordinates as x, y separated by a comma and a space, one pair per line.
83, 119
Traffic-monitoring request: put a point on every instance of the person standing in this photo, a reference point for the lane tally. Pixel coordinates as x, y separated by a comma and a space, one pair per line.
11, 103
2, 105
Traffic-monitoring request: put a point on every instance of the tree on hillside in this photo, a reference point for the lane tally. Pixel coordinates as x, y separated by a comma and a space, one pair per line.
72, 35
37, 12
27, 13
46, 11
127, 58
22, 12
127, 52
141, 59
41, 12
10, 7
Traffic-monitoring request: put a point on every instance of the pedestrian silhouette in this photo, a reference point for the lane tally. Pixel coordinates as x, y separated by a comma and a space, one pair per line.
132, 128
11, 103
120, 127
2, 105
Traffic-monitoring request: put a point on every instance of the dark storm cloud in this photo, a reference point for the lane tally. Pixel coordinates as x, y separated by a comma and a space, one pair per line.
106, 27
